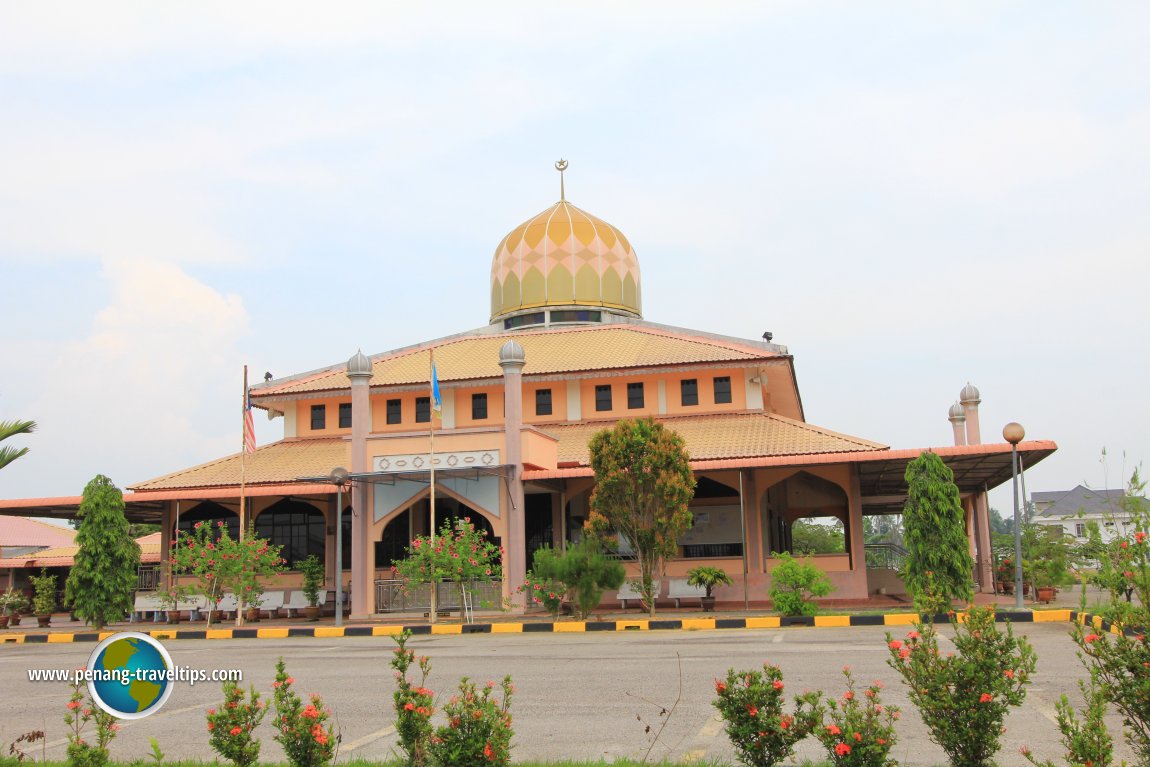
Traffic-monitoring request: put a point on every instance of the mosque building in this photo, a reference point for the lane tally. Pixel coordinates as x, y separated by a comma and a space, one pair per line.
566, 353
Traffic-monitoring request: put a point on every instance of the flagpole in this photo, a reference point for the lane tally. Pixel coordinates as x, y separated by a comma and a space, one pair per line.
431, 407
243, 478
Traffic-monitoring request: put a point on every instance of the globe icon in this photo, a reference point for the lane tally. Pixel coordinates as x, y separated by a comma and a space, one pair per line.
129, 675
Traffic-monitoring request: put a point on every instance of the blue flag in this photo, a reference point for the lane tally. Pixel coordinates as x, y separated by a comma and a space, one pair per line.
436, 401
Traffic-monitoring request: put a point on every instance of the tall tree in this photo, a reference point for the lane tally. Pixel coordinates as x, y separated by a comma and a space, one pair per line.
938, 565
99, 587
11, 429
643, 485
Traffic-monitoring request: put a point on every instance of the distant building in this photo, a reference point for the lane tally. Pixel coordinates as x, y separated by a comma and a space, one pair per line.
1072, 510
23, 538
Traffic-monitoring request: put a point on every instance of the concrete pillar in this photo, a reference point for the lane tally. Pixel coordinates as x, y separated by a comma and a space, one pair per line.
167, 521
512, 360
970, 399
858, 588
958, 423
985, 561
362, 552
754, 520
329, 540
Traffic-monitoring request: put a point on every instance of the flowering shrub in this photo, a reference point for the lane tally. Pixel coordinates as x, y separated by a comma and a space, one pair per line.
858, 731
478, 729
1087, 741
305, 739
413, 702
459, 553
964, 698
219, 562
544, 591
751, 704
1122, 661
81, 753
232, 726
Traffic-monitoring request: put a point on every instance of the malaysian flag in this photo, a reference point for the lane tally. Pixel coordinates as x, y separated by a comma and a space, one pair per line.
249, 425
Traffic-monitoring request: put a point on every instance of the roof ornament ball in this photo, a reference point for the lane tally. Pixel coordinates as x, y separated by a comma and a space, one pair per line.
969, 394
956, 413
511, 353
359, 365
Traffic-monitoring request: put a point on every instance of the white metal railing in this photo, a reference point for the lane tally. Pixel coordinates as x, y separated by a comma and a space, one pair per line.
399, 596
148, 579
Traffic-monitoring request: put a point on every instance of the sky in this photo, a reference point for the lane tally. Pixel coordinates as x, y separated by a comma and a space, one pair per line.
910, 196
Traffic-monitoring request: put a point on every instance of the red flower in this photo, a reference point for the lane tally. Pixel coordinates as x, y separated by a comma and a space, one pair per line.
880, 741
895, 644
1009, 674
833, 729
785, 723
752, 710
720, 687
236, 731
842, 749
913, 635
777, 684
858, 737
985, 698
1091, 638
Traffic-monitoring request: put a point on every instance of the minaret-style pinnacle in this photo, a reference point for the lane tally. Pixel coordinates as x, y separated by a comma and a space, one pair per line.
561, 166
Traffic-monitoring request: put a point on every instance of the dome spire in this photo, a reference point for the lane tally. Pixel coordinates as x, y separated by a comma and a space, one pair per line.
561, 166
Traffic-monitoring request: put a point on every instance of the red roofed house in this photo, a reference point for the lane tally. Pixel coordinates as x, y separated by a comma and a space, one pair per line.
566, 352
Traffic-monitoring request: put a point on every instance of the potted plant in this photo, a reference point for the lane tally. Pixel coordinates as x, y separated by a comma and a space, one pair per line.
708, 578
1004, 574
313, 573
170, 600
44, 599
13, 602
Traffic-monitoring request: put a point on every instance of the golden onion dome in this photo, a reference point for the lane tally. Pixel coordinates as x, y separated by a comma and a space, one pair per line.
564, 257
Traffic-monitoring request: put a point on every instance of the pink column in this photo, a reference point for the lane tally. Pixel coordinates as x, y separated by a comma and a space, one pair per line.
985, 561
970, 399
958, 423
362, 554
512, 360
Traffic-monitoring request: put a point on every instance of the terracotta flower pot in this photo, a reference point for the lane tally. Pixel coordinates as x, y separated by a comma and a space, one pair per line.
173, 616
44, 621
708, 604
14, 620
1044, 594
3, 621
311, 613
252, 614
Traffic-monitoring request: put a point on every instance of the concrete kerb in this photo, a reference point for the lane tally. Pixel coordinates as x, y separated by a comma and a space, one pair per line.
598, 626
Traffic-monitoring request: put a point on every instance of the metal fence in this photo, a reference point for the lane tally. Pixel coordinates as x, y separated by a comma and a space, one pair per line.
148, 579
398, 596
890, 556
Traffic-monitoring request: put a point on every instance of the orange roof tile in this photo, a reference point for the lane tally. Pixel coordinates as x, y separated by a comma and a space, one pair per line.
279, 462
549, 352
65, 556
724, 435
22, 531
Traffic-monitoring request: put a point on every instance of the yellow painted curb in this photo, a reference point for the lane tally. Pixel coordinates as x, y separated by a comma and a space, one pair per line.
506, 628
220, 633
899, 619
698, 623
440, 629
832, 621
1051, 616
61, 638
154, 634
766, 622
329, 631
1097, 621
271, 633
386, 631
14, 638
631, 625
574, 627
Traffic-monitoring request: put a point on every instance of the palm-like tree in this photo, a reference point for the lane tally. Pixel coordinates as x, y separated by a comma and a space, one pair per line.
11, 429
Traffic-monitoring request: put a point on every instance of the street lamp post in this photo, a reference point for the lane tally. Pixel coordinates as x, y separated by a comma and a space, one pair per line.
339, 478
1014, 433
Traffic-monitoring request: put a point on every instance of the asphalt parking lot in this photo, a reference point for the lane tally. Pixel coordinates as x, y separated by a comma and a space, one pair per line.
579, 696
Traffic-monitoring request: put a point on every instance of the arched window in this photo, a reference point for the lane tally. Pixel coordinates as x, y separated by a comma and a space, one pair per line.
209, 512
296, 526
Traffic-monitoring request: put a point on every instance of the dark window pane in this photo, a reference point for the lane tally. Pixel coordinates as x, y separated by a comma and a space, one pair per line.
296, 526
634, 395
422, 409
689, 389
395, 411
603, 398
542, 402
318, 417
722, 389
523, 320
345, 415
575, 315
478, 407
